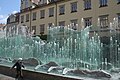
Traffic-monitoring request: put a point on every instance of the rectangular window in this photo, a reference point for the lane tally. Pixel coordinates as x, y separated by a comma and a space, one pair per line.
62, 23
73, 24
34, 29
42, 28
104, 23
21, 1
61, 9
42, 14
26, 4
119, 20
50, 25
103, 3
34, 16
27, 17
22, 18
88, 21
74, 7
87, 4
51, 12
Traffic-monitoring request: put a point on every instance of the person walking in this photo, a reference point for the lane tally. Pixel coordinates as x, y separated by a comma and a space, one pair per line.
18, 66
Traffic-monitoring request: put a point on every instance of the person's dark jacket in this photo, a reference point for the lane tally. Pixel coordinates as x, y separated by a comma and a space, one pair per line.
18, 65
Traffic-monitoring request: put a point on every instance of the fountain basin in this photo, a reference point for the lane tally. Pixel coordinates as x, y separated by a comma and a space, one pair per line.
33, 75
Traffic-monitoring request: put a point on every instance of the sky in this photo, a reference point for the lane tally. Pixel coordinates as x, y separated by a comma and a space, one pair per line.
8, 7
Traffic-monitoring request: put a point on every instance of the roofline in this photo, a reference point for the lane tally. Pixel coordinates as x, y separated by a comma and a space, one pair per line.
41, 6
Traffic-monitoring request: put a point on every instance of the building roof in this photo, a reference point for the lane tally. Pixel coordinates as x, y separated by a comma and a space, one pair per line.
40, 6
1, 24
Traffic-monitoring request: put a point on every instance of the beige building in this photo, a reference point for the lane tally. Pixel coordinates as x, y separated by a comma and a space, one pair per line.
50, 13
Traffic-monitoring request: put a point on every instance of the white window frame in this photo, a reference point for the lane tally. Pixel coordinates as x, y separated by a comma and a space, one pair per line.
87, 4
62, 9
74, 22
62, 23
22, 19
27, 17
104, 21
103, 3
88, 21
74, 7
34, 15
42, 28
51, 12
42, 14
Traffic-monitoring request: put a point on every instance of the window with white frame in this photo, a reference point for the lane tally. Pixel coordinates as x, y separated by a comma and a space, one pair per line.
103, 3
27, 17
26, 4
51, 12
34, 29
34, 15
88, 21
87, 4
104, 23
42, 28
21, 7
74, 7
42, 14
22, 18
62, 23
74, 23
50, 25
62, 9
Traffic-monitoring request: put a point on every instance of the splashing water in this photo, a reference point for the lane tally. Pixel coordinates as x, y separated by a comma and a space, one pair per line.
65, 46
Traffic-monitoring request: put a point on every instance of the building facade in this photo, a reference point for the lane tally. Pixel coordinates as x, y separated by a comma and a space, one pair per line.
12, 23
95, 13
2, 25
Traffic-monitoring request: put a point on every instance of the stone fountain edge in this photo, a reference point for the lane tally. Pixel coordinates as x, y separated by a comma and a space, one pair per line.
33, 75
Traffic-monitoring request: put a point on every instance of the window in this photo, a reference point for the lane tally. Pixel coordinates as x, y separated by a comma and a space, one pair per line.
104, 21
103, 3
27, 17
88, 21
21, 1
62, 9
42, 14
73, 25
22, 18
21, 7
119, 20
118, 1
42, 28
34, 15
74, 7
50, 25
26, 4
62, 23
87, 4
51, 12
34, 29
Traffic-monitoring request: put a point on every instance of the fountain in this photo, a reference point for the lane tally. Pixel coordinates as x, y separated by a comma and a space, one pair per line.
66, 50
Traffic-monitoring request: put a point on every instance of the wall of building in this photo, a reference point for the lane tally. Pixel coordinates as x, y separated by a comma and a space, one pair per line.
111, 10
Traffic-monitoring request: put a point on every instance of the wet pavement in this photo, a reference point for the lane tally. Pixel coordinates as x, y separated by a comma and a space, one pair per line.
4, 77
